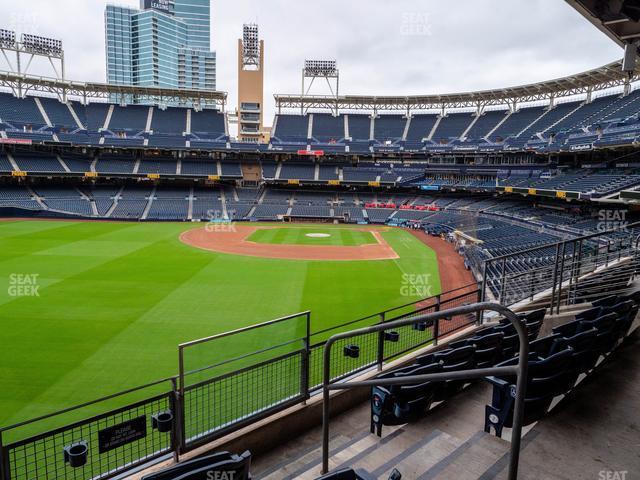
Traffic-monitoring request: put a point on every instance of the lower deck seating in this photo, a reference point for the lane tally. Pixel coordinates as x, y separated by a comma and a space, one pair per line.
129, 209
350, 214
78, 206
38, 163
270, 212
400, 404
163, 209
311, 211
379, 215
558, 362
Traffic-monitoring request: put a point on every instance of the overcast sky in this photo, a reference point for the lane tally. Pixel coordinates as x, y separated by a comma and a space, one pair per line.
383, 47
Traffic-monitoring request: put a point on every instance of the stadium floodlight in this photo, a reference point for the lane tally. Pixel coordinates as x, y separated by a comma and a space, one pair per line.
28, 48
320, 68
250, 44
326, 70
42, 45
7, 38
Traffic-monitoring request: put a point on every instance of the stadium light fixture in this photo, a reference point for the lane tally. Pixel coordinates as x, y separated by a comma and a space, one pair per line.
42, 45
250, 44
320, 68
7, 38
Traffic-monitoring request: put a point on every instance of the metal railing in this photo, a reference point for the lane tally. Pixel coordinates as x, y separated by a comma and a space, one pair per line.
121, 437
519, 370
224, 391
271, 376
377, 351
558, 274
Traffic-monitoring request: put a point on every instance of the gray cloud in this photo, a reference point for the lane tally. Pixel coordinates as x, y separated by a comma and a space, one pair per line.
382, 47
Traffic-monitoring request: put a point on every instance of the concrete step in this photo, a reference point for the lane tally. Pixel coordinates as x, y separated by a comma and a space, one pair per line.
355, 453
416, 459
309, 460
386, 453
471, 460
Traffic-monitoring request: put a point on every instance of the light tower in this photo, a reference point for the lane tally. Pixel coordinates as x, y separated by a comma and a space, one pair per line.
250, 85
321, 69
29, 48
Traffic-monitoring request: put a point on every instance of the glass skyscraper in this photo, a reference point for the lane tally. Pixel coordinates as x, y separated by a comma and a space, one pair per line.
165, 43
197, 15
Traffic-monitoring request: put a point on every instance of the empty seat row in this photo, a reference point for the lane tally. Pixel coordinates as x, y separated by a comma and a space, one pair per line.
557, 361
400, 404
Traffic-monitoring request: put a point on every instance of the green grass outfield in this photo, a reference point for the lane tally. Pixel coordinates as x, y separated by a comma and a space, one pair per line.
299, 236
115, 299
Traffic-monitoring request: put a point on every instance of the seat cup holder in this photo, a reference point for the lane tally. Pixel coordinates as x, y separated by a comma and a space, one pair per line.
162, 422
420, 326
392, 336
76, 454
352, 351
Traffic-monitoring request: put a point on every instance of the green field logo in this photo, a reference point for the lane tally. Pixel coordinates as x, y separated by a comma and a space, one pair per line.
23, 285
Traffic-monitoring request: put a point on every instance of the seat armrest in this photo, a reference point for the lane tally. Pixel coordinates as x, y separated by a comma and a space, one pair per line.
497, 382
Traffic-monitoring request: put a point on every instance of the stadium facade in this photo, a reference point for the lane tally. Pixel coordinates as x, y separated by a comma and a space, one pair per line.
162, 44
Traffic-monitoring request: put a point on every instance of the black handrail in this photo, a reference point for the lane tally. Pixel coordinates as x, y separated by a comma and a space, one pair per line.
519, 370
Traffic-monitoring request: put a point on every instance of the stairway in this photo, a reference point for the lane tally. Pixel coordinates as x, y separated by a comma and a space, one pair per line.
416, 454
448, 443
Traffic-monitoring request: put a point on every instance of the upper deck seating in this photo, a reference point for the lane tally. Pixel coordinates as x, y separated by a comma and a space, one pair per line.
292, 128
132, 118
169, 121
328, 128
19, 111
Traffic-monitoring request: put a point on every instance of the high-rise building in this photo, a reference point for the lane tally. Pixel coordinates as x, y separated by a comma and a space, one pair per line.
197, 15
165, 43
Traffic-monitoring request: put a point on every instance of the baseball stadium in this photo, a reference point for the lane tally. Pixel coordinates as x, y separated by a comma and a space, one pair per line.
437, 286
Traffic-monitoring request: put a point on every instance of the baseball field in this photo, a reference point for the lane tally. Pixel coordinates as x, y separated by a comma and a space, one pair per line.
88, 309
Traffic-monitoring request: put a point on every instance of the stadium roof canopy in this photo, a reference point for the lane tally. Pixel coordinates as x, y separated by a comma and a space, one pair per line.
601, 78
21, 84
618, 19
